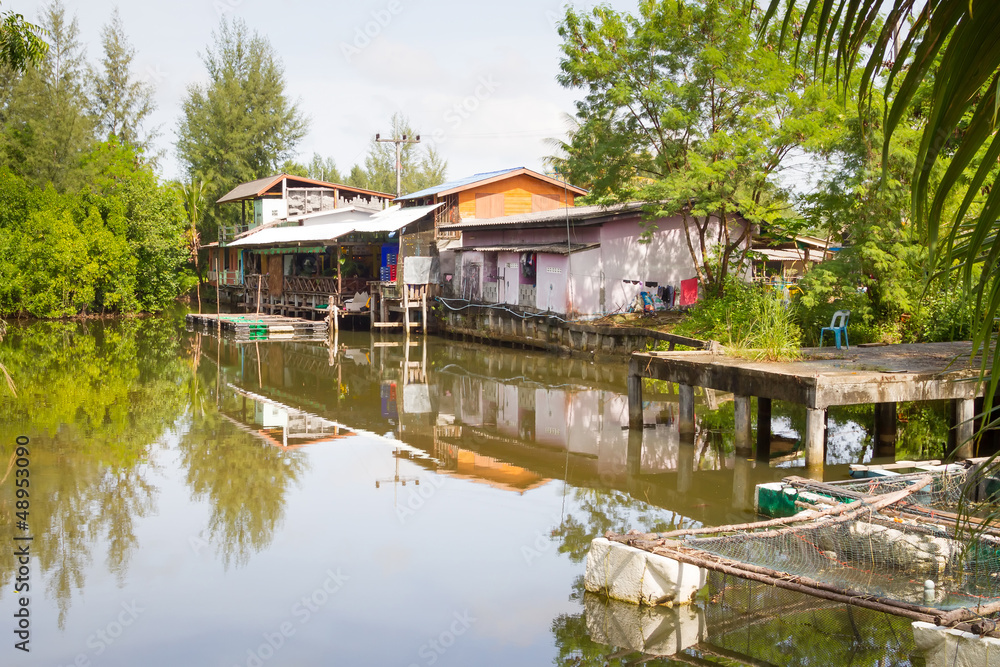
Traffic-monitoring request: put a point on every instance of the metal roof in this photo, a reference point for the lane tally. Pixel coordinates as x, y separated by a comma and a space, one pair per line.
545, 248
389, 220
575, 213
255, 189
462, 183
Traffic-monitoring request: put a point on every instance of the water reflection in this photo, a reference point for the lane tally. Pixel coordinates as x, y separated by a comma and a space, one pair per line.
95, 399
134, 419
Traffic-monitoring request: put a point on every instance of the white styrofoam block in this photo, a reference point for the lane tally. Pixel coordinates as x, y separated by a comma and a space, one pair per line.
651, 630
625, 573
944, 647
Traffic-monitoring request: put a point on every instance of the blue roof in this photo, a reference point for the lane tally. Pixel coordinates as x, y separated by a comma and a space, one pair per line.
468, 180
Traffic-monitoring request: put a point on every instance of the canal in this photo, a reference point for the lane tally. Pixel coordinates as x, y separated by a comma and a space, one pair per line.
206, 502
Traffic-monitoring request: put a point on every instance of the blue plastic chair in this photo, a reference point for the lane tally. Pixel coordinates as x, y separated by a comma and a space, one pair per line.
838, 325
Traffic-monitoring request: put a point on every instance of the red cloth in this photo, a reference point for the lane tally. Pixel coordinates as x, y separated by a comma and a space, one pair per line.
689, 291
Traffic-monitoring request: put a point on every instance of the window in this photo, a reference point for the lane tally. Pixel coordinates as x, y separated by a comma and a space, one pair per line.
489, 204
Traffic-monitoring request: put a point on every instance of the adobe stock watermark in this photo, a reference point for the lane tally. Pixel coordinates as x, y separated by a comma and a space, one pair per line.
465, 108
104, 638
302, 612
222, 7
540, 545
364, 35
432, 650
418, 497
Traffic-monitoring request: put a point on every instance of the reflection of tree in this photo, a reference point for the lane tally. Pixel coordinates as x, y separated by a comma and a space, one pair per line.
93, 398
243, 479
597, 511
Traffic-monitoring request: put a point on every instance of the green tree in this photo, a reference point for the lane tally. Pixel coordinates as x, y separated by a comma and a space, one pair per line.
47, 128
357, 178
949, 44
121, 103
323, 169
422, 166
21, 43
193, 194
684, 110
241, 125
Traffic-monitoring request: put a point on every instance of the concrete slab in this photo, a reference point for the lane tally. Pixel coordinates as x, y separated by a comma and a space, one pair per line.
827, 376
625, 573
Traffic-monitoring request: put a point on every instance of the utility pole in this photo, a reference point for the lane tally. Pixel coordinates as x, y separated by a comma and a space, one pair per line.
399, 156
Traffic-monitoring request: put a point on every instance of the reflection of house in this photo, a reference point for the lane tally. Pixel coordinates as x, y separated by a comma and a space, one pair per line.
581, 261
301, 241
278, 424
491, 195
465, 464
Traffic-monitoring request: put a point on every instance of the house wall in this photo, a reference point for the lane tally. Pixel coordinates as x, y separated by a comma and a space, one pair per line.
586, 271
665, 259
480, 237
517, 191
550, 284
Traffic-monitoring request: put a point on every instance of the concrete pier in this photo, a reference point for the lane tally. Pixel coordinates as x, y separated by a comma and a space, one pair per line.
824, 377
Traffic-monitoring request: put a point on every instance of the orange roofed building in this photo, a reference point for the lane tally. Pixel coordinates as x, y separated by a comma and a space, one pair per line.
493, 194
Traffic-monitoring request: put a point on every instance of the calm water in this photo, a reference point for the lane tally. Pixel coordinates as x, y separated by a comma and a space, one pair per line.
204, 502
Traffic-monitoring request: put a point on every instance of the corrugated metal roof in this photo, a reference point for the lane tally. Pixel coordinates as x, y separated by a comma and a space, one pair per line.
546, 248
257, 188
779, 254
445, 188
389, 220
555, 215
468, 180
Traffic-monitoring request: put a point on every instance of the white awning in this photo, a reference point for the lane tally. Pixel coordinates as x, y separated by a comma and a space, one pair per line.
389, 220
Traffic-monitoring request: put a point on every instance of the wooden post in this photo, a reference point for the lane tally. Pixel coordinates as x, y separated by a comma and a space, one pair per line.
763, 429
406, 308
885, 430
962, 414
686, 405
814, 440
423, 309
329, 317
744, 446
340, 284
634, 395
336, 319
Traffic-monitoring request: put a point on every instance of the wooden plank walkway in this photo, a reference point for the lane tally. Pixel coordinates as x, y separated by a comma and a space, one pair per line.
259, 327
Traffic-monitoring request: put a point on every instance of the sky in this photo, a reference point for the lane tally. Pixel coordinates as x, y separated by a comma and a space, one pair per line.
477, 80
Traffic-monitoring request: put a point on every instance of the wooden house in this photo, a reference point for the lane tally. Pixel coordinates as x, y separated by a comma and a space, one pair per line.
302, 242
492, 195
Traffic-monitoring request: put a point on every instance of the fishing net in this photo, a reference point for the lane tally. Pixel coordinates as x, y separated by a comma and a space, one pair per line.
865, 552
952, 490
889, 558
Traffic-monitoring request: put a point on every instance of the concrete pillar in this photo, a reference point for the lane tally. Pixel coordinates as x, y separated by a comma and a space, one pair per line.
885, 430
763, 429
634, 395
744, 446
633, 455
962, 414
685, 464
742, 487
815, 438
686, 401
